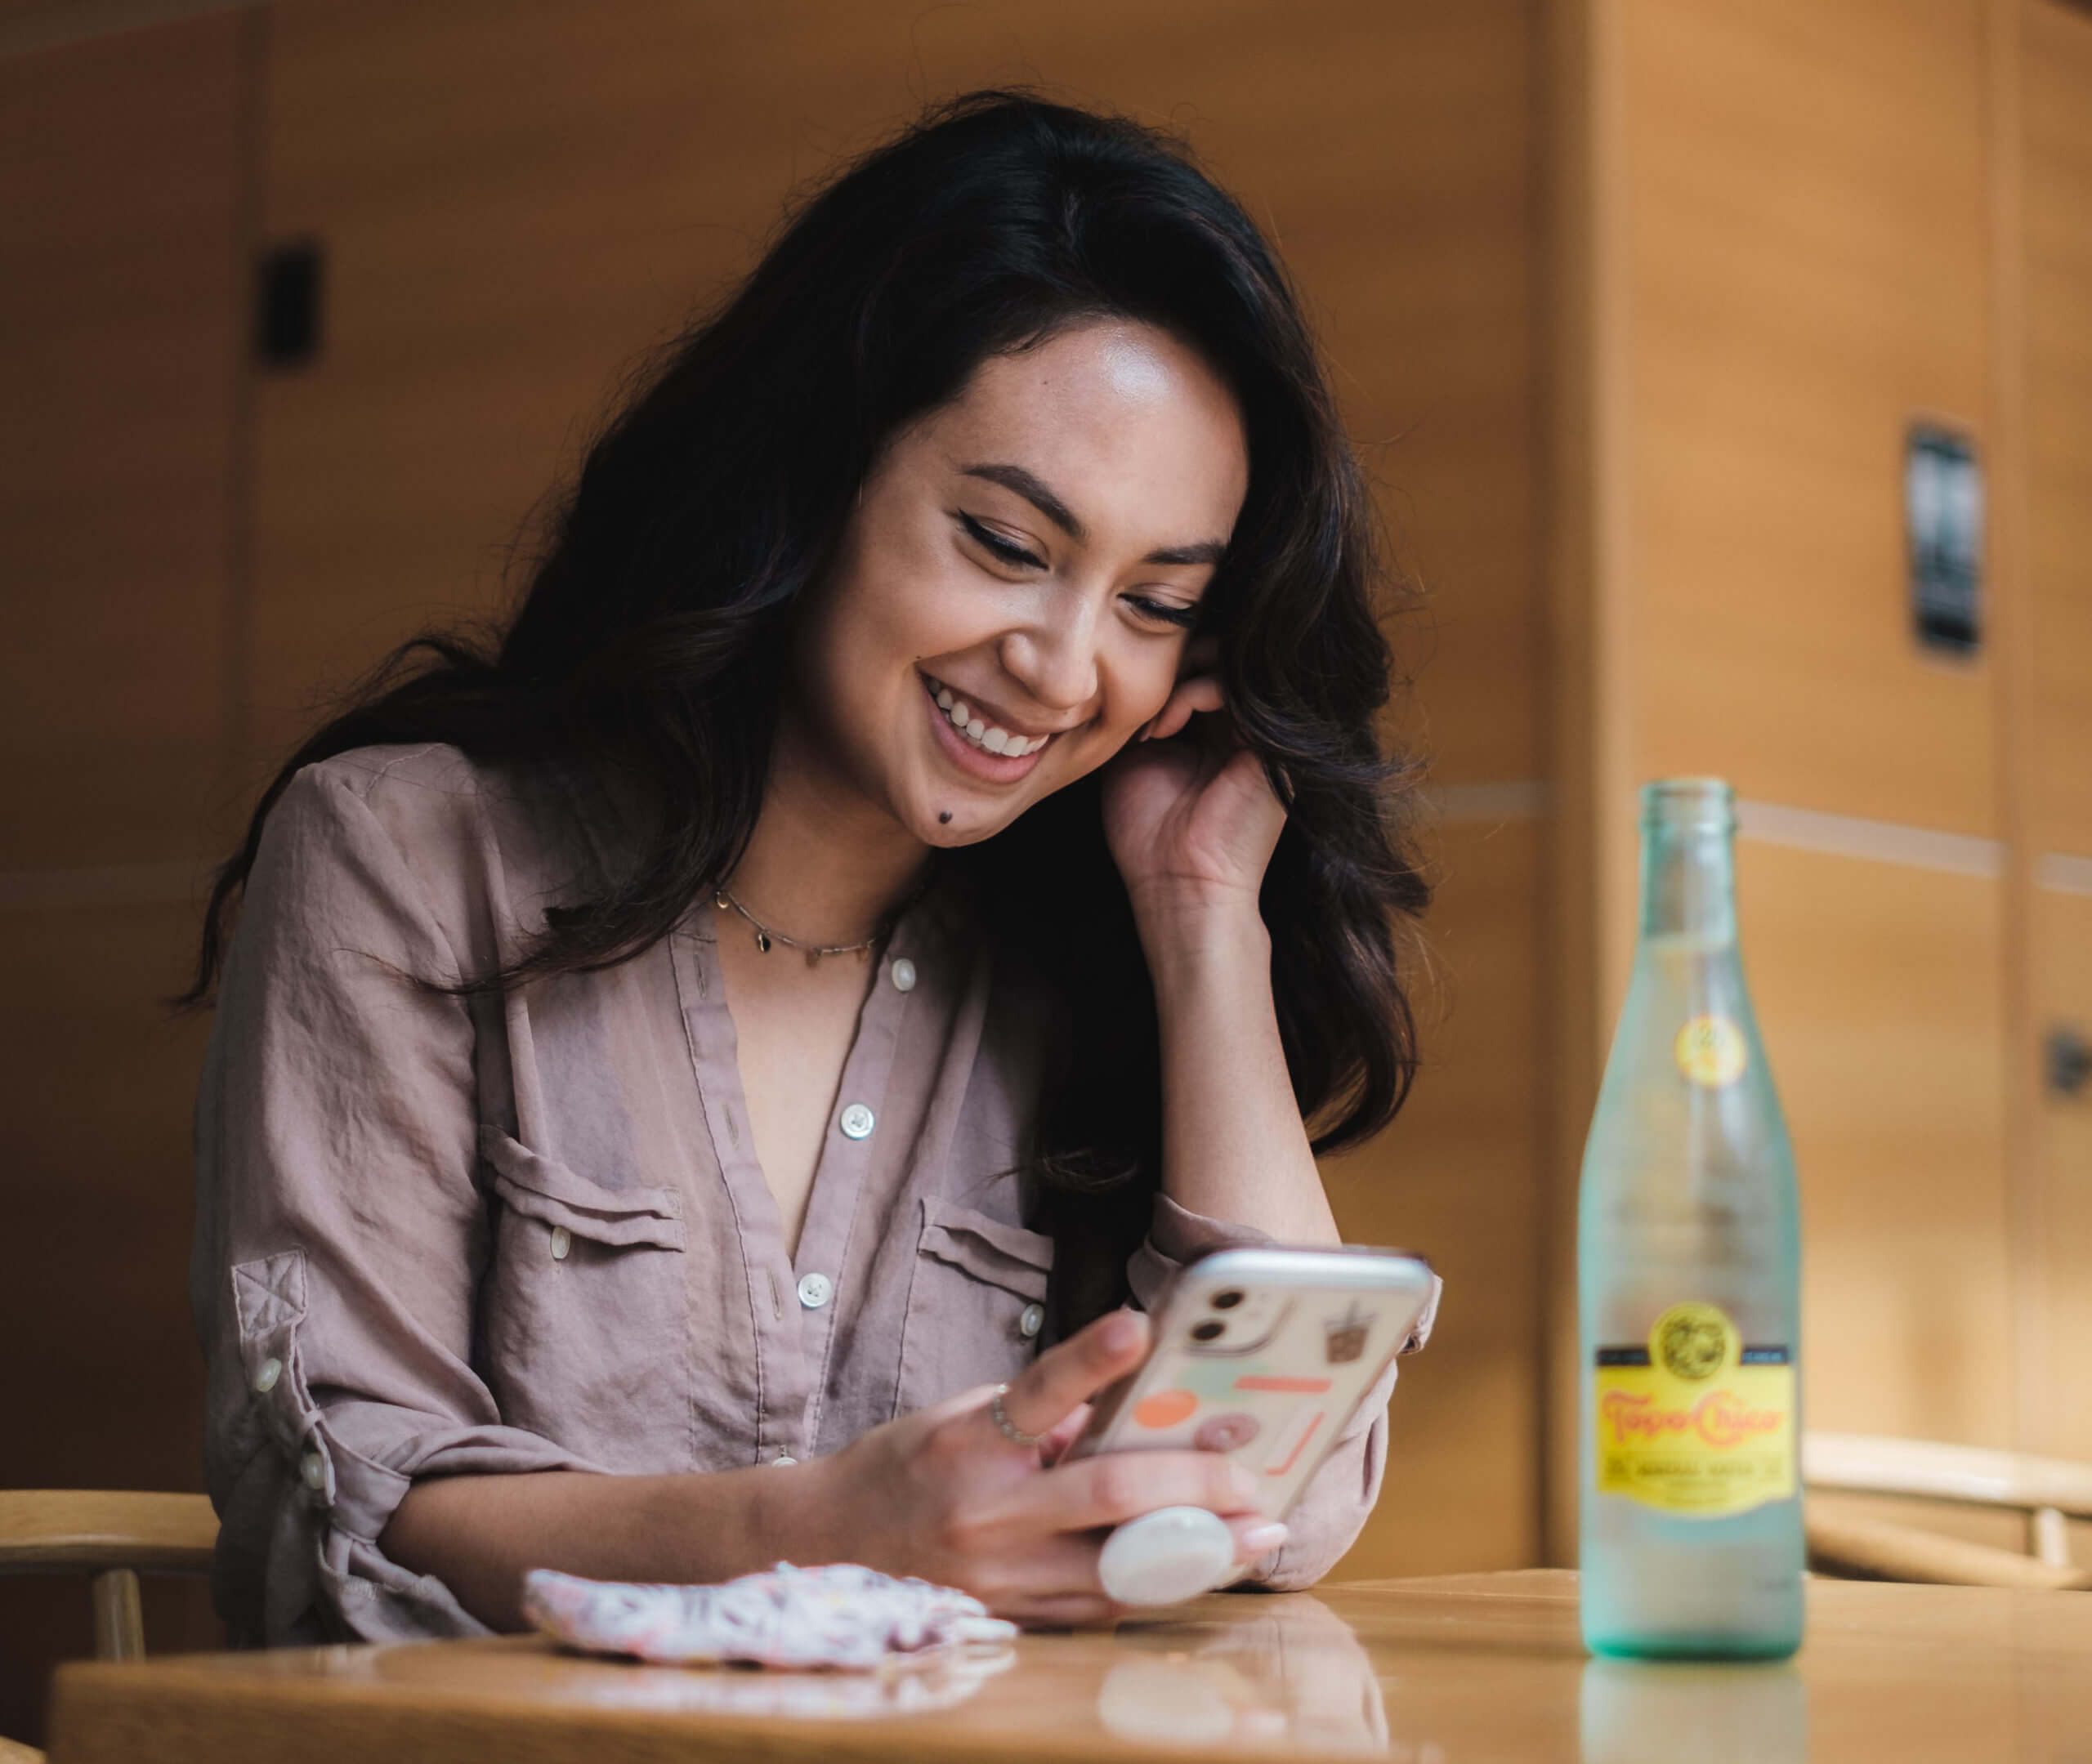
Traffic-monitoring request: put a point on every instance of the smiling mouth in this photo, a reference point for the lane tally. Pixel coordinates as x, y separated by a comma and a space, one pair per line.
970, 726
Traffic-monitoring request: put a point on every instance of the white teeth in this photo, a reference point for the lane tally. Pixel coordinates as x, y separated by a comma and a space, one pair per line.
993, 738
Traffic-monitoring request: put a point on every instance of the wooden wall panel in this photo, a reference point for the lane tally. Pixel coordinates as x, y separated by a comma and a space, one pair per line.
1880, 990
2061, 945
1457, 1178
122, 316
514, 201
2057, 120
119, 306
1804, 249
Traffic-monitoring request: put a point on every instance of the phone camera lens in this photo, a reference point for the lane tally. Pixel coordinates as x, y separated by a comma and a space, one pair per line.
1228, 1299
1207, 1331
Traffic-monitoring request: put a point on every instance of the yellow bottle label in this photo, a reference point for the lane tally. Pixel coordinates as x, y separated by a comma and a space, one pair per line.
1711, 1051
1697, 1421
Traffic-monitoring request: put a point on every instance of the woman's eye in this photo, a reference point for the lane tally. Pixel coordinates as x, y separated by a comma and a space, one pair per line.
1001, 550
1163, 612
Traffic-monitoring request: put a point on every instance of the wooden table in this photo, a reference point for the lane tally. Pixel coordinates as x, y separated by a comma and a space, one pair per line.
1448, 1671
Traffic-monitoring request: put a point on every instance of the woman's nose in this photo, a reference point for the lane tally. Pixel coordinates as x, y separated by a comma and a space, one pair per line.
1054, 659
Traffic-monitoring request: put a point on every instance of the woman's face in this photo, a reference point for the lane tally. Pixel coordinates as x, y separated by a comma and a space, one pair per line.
1027, 561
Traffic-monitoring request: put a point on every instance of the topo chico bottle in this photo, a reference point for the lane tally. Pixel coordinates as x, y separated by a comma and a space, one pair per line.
1688, 1267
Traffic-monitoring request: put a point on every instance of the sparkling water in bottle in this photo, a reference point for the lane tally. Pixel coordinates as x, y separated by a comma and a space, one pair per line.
1688, 1265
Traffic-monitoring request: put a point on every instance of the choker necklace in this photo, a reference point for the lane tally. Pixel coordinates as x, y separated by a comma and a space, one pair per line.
765, 936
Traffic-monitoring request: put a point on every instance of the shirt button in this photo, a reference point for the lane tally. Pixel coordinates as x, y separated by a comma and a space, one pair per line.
562, 1241
902, 974
784, 1457
858, 1121
313, 1470
815, 1290
264, 1380
1030, 1320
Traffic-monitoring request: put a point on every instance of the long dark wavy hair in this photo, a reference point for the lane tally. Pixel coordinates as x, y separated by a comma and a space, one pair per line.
647, 651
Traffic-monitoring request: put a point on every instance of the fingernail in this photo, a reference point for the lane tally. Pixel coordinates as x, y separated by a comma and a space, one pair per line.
1263, 1541
1121, 1331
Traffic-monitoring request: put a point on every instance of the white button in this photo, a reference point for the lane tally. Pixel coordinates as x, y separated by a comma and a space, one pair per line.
784, 1457
1030, 1319
857, 1121
562, 1241
902, 974
264, 1380
314, 1471
815, 1290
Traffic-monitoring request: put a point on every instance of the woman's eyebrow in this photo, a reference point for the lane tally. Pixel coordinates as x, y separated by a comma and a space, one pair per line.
1034, 490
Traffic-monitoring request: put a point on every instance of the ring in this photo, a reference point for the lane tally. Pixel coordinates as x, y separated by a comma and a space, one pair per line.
1007, 1427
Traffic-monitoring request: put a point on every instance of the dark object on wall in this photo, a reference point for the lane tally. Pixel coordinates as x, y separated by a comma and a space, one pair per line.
2067, 1061
286, 318
1943, 518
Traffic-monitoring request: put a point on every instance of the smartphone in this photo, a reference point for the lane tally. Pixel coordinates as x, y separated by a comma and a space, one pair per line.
1263, 1354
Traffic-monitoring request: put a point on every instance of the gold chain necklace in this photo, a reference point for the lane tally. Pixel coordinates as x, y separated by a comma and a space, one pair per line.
765, 936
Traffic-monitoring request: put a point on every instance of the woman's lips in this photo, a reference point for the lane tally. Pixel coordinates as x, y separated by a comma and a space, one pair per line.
967, 753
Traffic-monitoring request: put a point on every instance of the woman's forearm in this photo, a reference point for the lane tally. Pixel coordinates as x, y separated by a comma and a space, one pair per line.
1233, 1144
478, 1534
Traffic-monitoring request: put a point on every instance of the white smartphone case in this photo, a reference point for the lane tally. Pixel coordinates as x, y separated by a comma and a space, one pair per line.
1263, 1354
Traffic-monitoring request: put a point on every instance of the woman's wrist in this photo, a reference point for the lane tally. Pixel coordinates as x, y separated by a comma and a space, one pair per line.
1192, 942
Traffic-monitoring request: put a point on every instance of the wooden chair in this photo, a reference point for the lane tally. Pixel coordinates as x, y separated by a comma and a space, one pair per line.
2049, 1491
112, 1536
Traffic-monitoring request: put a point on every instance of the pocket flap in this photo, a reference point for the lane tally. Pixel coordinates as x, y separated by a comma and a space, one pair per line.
544, 1189
1007, 1256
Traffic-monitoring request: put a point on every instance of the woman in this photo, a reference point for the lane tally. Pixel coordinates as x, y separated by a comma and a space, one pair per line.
895, 890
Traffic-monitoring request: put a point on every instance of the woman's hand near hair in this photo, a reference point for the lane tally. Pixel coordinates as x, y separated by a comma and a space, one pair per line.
1192, 821
940, 1494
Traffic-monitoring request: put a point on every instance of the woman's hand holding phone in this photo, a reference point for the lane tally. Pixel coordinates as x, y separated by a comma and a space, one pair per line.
944, 1495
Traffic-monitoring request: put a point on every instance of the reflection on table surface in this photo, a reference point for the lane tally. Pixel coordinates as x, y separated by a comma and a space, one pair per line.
1427, 1672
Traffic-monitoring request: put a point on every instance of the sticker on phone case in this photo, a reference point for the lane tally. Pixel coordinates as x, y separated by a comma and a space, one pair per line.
1223, 1433
1164, 1408
1344, 1338
1284, 1387
1286, 1450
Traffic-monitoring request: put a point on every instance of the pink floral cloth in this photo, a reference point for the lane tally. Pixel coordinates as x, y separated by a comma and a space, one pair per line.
840, 1616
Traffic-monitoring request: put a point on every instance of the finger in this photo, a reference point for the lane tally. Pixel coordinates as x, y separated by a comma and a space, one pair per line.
1115, 1486
1186, 701
1063, 1434
1256, 1539
1046, 1392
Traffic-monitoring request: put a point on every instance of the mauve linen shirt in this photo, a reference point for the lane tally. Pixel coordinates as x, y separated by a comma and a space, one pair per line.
439, 1236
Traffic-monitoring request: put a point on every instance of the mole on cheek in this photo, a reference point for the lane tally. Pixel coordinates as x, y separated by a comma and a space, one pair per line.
944, 817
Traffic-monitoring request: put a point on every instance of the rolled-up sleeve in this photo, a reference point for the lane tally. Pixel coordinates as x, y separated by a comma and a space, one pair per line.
1334, 1507
341, 1230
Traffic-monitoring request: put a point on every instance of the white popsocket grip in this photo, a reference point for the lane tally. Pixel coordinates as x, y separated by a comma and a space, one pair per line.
1171, 1554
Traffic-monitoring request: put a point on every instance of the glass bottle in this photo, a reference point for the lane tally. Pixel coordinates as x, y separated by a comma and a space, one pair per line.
1689, 1271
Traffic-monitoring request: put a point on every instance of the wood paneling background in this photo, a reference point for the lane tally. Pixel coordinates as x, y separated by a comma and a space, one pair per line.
1791, 230
121, 316
2054, 783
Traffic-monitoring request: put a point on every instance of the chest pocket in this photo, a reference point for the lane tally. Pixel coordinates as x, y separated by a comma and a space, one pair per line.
976, 1303
585, 1311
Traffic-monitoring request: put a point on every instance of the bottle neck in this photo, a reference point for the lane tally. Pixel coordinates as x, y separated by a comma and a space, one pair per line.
1688, 882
